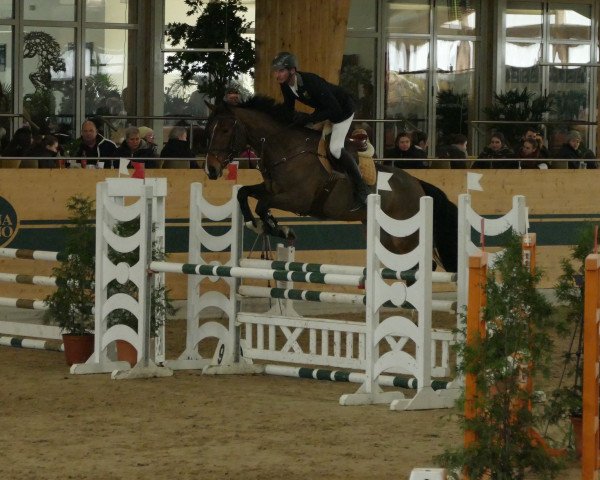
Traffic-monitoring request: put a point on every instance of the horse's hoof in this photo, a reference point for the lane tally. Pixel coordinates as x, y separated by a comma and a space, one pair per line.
255, 227
289, 235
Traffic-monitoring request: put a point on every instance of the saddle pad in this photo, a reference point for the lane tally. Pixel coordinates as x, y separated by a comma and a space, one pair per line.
322, 154
367, 169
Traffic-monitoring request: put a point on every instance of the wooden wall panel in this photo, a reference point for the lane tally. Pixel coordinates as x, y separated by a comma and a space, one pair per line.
314, 30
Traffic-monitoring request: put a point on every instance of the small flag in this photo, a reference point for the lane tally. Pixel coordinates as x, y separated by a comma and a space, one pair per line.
473, 181
232, 170
138, 170
123, 162
383, 181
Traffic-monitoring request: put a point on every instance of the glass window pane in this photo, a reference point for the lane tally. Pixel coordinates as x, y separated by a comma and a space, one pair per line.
176, 12
6, 72
407, 16
363, 15
572, 22
522, 70
49, 10
48, 77
457, 18
111, 11
570, 89
358, 74
524, 19
109, 72
406, 85
6, 9
561, 53
455, 86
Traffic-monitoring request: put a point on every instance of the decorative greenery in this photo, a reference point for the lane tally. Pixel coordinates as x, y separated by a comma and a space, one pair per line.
218, 22
452, 112
71, 305
566, 400
518, 319
161, 304
518, 106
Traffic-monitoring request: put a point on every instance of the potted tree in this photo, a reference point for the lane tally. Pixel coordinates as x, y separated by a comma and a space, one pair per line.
566, 400
161, 304
71, 305
516, 344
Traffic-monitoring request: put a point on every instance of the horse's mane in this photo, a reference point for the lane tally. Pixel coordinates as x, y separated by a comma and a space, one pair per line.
268, 105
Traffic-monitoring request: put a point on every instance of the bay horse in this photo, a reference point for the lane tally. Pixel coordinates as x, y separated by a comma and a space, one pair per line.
294, 179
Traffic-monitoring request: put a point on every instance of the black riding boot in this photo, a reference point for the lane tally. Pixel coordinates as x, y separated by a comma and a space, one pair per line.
361, 189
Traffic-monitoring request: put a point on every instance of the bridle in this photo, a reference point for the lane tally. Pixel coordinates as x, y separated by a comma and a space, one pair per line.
231, 150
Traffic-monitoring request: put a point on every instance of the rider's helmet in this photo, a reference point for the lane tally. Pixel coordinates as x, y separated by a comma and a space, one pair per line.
284, 60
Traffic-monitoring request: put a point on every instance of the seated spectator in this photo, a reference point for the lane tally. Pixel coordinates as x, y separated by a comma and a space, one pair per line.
531, 148
420, 140
497, 148
177, 147
92, 145
534, 134
135, 147
46, 147
148, 134
454, 147
232, 96
574, 150
20, 144
403, 148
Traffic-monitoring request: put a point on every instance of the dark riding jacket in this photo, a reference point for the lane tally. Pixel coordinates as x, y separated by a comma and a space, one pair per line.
330, 102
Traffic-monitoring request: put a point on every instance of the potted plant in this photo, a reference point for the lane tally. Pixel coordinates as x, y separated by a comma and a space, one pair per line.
516, 345
565, 401
161, 304
71, 305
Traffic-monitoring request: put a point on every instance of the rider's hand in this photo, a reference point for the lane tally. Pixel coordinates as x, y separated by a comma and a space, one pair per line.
300, 119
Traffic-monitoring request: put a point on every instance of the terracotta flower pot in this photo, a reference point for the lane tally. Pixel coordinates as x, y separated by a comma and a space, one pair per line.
126, 352
78, 348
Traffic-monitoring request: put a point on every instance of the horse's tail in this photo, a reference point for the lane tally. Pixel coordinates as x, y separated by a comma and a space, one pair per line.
445, 226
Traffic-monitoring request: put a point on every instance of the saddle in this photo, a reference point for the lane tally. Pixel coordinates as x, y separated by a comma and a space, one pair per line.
358, 141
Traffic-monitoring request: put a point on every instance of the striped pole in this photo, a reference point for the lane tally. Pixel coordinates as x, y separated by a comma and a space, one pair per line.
24, 253
386, 273
343, 376
258, 273
29, 343
28, 279
448, 306
23, 303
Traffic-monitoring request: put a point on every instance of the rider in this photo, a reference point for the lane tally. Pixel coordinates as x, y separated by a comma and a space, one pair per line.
330, 102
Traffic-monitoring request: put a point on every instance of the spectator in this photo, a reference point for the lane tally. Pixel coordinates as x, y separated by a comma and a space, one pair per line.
534, 134
232, 96
497, 148
20, 144
403, 148
46, 147
531, 148
147, 134
177, 147
94, 145
135, 147
420, 140
455, 147
574, 150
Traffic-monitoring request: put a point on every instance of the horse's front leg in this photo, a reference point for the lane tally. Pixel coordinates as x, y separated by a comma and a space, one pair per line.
270, 225
255, 191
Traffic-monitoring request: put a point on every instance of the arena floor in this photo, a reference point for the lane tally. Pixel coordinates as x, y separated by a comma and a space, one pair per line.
59, 426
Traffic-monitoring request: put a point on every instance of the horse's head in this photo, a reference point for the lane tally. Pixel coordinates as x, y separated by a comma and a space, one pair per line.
227, 138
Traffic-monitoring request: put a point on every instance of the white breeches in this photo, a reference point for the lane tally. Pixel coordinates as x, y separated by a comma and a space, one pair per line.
338, 136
